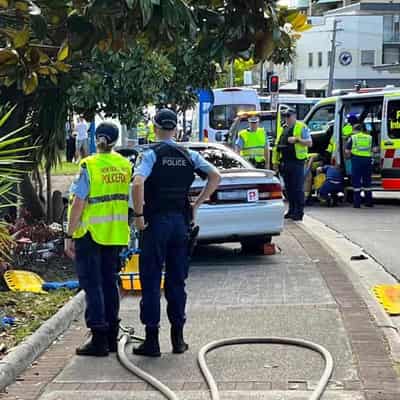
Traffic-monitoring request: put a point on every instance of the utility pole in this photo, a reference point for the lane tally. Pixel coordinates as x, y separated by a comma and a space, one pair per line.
332, 58
261, 76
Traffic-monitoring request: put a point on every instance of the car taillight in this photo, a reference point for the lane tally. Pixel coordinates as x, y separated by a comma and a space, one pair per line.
269, 191
333, 161
205, 135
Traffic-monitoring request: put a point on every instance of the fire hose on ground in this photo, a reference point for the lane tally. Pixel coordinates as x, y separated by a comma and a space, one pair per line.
128, 336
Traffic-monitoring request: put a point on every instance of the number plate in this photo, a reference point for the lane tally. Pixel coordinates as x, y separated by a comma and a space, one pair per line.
233, 195
252, 195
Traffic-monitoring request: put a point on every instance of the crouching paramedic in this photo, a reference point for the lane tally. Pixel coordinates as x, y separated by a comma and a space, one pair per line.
97, 228
162, 180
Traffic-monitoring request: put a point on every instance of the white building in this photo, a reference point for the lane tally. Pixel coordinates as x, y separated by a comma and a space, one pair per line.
368, 34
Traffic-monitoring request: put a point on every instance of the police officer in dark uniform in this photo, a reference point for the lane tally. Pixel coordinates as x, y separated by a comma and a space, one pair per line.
162, 212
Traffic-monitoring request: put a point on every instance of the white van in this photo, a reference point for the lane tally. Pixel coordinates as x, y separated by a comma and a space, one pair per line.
228, 103
298, 102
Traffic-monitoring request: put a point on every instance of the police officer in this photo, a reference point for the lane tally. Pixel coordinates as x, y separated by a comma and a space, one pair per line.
142, 132
252, 144
97, 229
360, 148
290, 154
162, 180
151, 136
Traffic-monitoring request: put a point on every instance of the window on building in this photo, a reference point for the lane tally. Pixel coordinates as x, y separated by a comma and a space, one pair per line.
310, 60
391, 54
367, 57
320, 59
329, 58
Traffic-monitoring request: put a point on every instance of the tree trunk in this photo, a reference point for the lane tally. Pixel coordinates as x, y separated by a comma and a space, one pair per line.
184, 122
30, 199
49, 199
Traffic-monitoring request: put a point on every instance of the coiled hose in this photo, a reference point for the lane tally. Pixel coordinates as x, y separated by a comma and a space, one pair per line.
128, 335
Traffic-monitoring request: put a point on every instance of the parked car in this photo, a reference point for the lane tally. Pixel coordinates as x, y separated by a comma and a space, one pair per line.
248, 205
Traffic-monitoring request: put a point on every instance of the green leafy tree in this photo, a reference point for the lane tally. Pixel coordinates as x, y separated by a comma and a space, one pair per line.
121, 84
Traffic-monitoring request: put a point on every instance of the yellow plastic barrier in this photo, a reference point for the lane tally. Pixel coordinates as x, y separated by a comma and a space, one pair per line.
24, 281
130, 275
389, 297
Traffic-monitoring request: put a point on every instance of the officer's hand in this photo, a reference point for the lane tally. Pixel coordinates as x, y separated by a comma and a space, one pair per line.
195, 207
140, 225
69, 248
292, 139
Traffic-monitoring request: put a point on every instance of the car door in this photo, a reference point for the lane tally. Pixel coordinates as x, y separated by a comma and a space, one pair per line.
390, 143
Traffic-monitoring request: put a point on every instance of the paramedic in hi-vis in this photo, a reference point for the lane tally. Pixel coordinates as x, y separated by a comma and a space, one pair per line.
360, 149
252, 144
97, 231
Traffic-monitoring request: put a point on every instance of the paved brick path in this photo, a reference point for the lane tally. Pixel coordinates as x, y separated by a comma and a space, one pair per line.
301, 292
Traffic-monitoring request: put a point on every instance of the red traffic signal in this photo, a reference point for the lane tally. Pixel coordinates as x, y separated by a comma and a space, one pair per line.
274, 84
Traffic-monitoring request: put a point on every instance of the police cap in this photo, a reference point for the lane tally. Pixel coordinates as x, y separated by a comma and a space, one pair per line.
166, 119
253, 119
109, 131
289, 112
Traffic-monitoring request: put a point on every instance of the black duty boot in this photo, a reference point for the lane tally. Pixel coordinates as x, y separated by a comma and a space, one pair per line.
151, 346
96, 346
178, 344
113, 339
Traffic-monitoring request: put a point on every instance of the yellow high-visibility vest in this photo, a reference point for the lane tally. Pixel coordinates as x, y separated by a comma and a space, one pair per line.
142, 130
105, 215
300, 150
361, 145
152, 135
253, 144
347, 130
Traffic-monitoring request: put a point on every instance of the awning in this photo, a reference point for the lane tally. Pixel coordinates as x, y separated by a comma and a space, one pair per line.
395, 68
310, 84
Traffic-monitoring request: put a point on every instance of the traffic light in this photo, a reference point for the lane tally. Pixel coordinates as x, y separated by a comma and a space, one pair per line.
274, 84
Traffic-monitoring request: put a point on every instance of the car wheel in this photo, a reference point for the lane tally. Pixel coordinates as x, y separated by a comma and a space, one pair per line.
255, 244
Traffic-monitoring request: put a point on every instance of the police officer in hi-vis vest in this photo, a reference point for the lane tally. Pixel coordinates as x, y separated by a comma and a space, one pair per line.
162, 179
97, 230
290, 153
252, 144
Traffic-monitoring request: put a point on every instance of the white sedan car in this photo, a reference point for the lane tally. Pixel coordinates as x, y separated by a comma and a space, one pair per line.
248, 205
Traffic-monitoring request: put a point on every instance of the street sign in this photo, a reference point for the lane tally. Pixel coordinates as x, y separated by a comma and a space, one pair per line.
206, 103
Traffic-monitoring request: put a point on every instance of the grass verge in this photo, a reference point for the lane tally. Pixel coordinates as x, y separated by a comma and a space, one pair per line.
65, 168
30, 311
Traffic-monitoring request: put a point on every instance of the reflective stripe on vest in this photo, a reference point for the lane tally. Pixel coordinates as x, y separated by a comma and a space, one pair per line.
104, 199
300, 150
105, 215
361, 145
253, 144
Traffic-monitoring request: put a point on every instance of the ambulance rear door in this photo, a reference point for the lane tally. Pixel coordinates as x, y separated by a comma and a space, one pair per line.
390, 142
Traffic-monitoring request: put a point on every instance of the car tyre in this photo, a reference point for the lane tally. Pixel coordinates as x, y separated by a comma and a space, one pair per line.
254, 245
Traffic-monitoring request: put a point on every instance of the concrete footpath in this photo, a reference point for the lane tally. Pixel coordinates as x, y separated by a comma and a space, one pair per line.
302, 292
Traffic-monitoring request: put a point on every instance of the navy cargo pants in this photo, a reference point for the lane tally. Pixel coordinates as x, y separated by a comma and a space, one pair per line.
361, 179
164, 244
293, 175
97, 268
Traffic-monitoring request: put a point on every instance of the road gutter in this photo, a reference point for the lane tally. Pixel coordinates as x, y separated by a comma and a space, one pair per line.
364, 275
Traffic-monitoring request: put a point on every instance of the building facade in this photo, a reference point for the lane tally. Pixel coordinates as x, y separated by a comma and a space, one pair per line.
365, 37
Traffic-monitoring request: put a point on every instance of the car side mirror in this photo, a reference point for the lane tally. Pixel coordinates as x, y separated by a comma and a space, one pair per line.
218, 136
